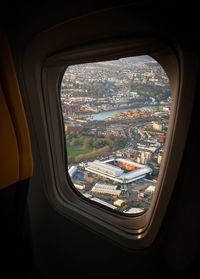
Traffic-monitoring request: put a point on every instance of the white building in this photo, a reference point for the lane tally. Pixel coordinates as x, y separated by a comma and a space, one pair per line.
104, 168
150, 189
119, 202
107, 191
134, 210
104, 203
79, 186
72, 170
116, 173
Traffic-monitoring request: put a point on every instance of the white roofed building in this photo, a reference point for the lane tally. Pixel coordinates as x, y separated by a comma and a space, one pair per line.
104, 168
106, 190
117, 173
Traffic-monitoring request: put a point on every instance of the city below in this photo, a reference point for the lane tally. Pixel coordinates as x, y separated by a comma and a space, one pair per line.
116, 116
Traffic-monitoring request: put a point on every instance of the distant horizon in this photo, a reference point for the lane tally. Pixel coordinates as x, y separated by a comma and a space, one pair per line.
133, 59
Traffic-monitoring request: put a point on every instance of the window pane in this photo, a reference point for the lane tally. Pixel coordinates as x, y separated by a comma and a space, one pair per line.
116, 118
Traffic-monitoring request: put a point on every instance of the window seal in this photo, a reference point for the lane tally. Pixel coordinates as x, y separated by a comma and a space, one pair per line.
122, 229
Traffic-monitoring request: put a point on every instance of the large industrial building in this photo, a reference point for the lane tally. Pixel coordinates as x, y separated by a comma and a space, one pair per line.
120, 170
104, 168
106, 189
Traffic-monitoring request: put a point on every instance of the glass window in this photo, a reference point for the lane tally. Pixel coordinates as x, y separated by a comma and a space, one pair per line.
116, 117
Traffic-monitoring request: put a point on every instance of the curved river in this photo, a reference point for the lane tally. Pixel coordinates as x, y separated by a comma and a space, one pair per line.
105, 114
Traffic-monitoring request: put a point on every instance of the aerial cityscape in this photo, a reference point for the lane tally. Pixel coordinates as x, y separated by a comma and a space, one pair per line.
116, 117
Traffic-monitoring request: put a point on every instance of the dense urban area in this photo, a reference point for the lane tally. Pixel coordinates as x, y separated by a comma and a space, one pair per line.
116, 118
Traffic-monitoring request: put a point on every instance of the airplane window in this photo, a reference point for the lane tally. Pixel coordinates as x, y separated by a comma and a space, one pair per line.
116, 117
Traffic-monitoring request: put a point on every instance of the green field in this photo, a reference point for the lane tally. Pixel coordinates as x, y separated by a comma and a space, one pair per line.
86, 147
74, 151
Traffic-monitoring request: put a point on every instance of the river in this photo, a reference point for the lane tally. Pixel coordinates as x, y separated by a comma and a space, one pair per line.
105, 114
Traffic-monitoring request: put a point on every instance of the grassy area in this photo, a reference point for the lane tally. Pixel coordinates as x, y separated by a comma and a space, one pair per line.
84, 147
74, 151
93, 154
